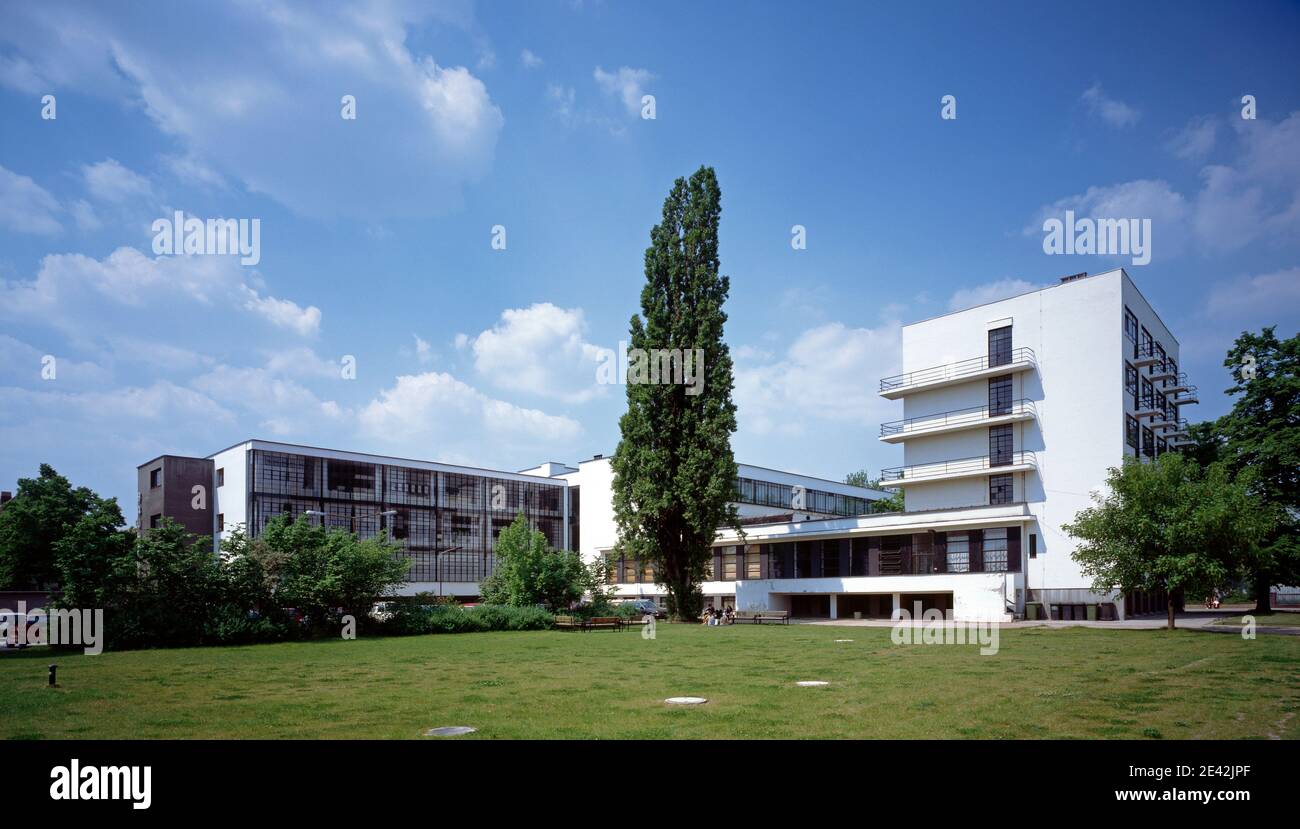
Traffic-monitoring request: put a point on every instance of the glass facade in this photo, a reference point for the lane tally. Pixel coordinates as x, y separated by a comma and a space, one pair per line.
768, 494
448, 522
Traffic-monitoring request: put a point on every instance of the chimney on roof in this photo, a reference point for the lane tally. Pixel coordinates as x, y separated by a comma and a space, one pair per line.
1073, 277
597, 457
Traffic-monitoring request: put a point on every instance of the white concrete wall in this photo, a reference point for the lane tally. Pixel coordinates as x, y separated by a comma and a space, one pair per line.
975, 595
231, 500
1076, 332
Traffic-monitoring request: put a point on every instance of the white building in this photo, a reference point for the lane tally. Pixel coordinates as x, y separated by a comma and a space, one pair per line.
1013, 412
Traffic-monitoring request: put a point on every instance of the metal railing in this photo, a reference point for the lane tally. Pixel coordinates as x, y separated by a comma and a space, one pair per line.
955, 371
960, 465
1180, 382
957, 417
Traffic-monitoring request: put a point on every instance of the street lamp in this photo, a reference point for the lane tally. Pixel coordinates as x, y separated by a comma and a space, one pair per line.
316, 512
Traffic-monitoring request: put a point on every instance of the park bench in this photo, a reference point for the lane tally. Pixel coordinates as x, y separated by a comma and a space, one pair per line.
758, 617
567, 623
603, 623
636, 622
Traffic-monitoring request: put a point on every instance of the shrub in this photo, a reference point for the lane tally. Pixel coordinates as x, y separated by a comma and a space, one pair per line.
417, 619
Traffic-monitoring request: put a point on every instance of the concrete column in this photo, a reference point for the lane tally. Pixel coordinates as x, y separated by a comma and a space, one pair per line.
898, 601
834, 608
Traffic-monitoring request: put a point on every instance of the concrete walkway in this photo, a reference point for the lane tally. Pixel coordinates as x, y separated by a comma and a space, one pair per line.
1198, 619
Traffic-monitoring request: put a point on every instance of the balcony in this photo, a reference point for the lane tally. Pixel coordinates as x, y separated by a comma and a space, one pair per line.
1174, 428
1147, 356
1161, 371
1187, 395
1177, 384
957, 420
1020, 359
955, 469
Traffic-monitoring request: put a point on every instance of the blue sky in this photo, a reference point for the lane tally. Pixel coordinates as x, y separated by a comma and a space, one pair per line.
376, 232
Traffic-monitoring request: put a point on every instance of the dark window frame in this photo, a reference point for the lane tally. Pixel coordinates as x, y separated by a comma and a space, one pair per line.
1002, 488
999, 346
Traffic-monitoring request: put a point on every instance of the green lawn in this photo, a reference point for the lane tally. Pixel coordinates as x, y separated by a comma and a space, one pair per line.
1076, 682
1279, 619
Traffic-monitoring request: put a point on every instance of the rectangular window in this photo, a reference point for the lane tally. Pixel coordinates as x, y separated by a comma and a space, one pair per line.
728, 563
629, 571
958, 553
1145, 347
155, 478
1160, 353
221, 522
1000, 395
1148, 442
1000, 346
1148, 395
1131, 325
1161, 446
995, 550
859, 557
753, 561
1033, 545
803, 559
1131, 431
221, 476
155, 521
1001, 488
1001, 445
1131, 380
1173, 367
830, 558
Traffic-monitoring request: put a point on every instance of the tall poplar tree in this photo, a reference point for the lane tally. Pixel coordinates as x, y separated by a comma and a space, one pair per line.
674, 474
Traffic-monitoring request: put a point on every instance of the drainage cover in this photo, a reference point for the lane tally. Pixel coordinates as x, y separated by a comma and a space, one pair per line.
450, 731
686, 700
811, 683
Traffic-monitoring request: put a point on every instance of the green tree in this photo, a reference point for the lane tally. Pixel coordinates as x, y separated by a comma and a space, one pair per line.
1169, 525
862, 478
321, 571
1262, 435
674, 473
41, 512
529, 572
86, 555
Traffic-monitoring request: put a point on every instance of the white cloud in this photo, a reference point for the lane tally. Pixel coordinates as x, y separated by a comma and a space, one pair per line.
805, 392
85, 217
239, 99
192, 171
109, 181
1113, 112
1195, 140
436, 415
423, 351
529, 60
284, 313
1168, 211
1255, 298
25, 206
988, 292
541, 350
283, 406
562, 102
627, 84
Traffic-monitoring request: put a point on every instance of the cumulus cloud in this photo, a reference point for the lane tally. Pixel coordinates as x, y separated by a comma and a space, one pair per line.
529, 60
541, 350
284, 313
627, 84
1168, 210
239, 99
1197, 139
1253, 298
988, 292
1112, 111
109, 181
25, 206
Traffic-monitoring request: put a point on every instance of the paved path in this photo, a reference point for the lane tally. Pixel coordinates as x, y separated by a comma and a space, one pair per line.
1187, 620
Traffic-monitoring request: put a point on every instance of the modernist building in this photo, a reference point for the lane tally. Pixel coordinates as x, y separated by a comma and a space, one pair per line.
1013, 411
447, 517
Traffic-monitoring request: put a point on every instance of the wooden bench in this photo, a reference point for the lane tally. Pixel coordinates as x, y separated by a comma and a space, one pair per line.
758, 617
603, 623
568, 623
636, 622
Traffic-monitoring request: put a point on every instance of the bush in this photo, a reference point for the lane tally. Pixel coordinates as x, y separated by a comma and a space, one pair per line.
408, 620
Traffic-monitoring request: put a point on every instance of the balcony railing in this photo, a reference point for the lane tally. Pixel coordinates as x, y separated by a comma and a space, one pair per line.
1147, 355
955, 371
1175, 428
1178, 384
957, 417
960, 466
1186, 395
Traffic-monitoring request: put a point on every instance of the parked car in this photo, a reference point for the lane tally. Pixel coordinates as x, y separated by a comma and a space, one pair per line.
648, 606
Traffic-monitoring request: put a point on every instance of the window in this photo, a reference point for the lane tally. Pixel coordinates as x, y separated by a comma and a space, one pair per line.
859, 557
155, 521
1161, 446
1148, 394
1173, 367
1001, 489
1131, 431
830, 558
629, 571
958, 553
1131, 325
1146, 342
728, 563
221, 522
1148, 442
753, 562
995, 550
1131, 381
1000, 395
1000, 346
1160, 353
155, 478
803, 559
1033, 545
221, 476
1001, 445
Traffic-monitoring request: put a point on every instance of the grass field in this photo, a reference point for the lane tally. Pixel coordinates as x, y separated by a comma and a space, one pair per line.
1083, 683
1288, 619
